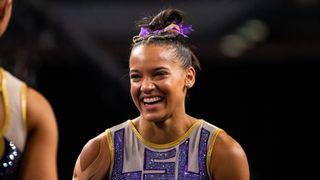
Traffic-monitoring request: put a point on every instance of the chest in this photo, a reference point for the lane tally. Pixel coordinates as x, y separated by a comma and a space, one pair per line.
136, 160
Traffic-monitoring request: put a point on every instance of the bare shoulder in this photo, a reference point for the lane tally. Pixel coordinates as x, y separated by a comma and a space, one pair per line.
41, 148
226, 145
35, 96
91, 150
39, 110
94, 159
228, 160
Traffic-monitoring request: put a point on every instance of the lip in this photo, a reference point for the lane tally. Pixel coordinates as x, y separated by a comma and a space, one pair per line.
151, 106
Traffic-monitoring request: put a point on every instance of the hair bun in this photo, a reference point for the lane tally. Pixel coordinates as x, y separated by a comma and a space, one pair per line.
165, 18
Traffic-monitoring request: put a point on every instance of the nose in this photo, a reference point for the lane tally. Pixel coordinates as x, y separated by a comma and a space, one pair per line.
147, 85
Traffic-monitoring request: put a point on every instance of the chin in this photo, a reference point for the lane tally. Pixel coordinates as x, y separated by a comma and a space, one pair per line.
153, 117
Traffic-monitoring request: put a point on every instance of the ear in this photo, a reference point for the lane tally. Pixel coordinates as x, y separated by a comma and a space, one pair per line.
5, 15
190, 77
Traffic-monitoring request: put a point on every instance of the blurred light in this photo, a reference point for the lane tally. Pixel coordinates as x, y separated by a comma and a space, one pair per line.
233, 45
254, 31
245, 37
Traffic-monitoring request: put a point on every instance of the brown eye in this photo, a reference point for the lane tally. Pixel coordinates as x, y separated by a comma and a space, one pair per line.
160, 74
135, 77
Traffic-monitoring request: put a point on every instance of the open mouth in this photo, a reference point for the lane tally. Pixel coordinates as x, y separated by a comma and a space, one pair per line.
151, 100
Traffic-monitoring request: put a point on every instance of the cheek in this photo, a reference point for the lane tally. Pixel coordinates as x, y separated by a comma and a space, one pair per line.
134, 89
172, 87
176, 83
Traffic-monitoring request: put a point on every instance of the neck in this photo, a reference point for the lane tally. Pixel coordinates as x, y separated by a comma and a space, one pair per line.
165, 131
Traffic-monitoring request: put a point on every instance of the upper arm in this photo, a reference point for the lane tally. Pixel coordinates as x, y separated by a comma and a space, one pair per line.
39, 159
228, 160
94, 160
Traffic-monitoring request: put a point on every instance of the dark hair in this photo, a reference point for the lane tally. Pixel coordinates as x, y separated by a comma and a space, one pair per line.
181, 44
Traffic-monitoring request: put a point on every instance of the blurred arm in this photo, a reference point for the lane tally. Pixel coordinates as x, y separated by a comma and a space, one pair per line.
40, 155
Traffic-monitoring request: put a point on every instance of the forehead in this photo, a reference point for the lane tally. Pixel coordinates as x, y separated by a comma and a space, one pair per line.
153, 53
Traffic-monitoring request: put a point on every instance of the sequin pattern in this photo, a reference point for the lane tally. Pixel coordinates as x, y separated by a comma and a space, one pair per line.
152, 162
10, 161
204, 139
184, 173
118, 161
163, 164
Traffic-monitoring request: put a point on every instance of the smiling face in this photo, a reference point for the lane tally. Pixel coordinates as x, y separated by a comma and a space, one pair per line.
158, 82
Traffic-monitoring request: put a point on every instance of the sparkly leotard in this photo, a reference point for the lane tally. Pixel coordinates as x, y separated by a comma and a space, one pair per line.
135, 158
13, 127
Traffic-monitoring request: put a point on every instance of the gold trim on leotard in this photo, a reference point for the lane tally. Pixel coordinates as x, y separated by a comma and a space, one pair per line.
4, 94
110, 144
211, 145
2, 144
24, 104
163, 146
6, 123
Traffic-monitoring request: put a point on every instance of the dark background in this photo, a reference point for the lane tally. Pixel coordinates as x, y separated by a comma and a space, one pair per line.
259, 78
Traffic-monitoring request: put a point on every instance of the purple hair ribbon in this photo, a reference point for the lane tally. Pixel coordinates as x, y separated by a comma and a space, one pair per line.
175, 28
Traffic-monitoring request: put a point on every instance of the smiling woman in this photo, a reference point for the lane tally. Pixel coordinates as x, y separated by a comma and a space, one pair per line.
163, 142
157, 84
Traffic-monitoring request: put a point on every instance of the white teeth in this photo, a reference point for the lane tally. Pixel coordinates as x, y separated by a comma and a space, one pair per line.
150, 100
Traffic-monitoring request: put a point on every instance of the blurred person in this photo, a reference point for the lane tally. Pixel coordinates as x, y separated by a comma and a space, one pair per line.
163, 142
28, 129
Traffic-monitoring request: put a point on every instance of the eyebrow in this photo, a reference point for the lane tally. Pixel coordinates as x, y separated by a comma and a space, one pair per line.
133, 70
155, 69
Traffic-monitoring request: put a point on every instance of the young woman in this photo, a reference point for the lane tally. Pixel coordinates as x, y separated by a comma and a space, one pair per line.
163, 142
28, 129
